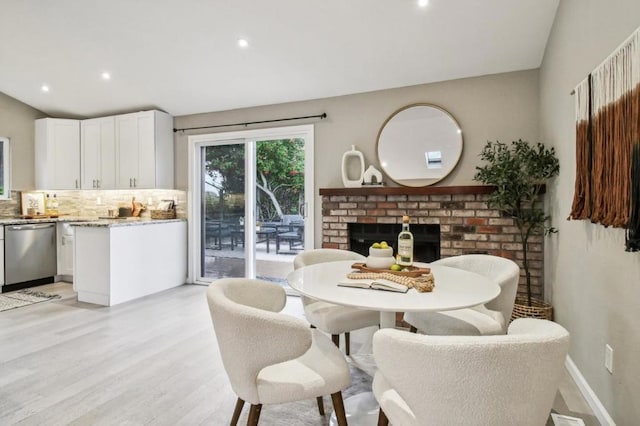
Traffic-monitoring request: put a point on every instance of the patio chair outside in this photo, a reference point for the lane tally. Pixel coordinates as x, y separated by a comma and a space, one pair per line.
215, 232
293, 233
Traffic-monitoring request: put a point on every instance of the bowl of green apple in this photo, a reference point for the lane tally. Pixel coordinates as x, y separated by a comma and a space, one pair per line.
380, 256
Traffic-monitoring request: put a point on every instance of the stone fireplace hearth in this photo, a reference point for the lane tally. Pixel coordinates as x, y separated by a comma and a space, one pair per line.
466, 224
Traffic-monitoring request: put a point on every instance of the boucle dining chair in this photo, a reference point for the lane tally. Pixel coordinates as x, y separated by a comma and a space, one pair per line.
470, 380
270, 357
328, 317
490, 318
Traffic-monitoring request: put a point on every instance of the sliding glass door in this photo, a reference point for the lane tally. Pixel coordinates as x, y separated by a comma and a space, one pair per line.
251, 209
222, 192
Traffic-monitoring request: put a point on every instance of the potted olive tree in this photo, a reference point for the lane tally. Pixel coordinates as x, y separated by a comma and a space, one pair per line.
519, 171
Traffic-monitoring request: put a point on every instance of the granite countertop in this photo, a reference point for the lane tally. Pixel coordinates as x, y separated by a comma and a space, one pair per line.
107, 223
87, 221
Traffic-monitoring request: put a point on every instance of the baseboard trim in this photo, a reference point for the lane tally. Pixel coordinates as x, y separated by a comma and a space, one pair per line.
589, 395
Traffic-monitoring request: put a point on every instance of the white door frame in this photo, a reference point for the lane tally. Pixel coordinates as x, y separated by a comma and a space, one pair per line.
196, 142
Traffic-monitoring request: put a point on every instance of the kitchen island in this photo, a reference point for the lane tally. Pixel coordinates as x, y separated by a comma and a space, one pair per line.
120, 260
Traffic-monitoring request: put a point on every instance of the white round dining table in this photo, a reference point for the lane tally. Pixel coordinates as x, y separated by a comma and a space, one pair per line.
454, 289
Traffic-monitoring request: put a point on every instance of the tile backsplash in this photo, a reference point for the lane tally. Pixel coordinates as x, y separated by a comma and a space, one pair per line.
10, 207
97, 203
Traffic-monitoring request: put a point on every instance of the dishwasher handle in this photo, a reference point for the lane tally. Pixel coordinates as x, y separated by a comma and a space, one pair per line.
31, 227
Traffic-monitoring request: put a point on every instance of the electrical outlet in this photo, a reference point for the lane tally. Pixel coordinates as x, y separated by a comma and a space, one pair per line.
608, 358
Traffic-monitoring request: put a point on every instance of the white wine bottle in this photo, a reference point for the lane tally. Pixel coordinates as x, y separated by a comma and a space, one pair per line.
405, 244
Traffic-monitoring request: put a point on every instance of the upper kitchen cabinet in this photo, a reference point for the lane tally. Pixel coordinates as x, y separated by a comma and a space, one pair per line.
98, 153
144, 150
57, 153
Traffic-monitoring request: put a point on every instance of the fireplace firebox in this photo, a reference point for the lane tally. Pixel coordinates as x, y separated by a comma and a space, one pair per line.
426, 238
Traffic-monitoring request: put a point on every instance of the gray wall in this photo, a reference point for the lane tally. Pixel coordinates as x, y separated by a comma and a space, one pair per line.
497, 107
593, 283
17, 123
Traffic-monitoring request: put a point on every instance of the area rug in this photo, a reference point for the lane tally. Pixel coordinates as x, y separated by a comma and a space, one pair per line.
24, 297
302, 413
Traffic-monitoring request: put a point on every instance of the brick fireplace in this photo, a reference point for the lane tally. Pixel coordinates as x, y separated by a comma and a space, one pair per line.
467, 224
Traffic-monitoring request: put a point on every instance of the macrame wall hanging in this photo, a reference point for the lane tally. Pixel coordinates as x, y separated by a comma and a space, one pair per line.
607, 186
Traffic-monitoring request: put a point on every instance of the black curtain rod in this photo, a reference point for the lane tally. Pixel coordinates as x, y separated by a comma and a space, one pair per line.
320, 116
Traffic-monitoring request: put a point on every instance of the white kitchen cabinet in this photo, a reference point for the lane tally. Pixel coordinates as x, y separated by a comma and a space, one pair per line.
98, 153
64, 239
111, 269
57, 153
1, 255
144, 150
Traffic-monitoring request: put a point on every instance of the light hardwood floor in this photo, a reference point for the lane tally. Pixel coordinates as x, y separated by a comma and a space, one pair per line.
150, 361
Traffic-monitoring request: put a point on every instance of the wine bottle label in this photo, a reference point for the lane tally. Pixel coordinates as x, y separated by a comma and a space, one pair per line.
405, 250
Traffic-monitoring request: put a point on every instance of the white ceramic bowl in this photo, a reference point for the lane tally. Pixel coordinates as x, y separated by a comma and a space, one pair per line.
380, 262
381, 252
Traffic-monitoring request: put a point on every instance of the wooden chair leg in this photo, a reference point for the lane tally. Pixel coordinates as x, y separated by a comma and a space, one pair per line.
382, 418
346, 343
254, 414
413, 329
237, 411
320, 405
336, 339
338, 407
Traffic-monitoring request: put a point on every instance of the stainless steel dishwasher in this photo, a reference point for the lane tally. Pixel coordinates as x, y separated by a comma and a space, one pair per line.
29, 252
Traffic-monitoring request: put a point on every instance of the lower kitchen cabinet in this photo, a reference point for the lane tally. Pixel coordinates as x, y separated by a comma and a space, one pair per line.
1, 256
118, 262
64, 238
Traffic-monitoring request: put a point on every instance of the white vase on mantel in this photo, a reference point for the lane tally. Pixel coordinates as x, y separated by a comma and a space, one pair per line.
348, 156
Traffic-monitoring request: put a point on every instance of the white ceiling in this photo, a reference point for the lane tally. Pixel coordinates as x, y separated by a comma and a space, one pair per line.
182, 56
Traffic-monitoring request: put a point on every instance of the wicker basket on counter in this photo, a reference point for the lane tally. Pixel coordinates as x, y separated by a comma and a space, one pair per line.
163, 214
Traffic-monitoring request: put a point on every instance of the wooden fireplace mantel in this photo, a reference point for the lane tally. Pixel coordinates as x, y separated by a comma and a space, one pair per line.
403, 190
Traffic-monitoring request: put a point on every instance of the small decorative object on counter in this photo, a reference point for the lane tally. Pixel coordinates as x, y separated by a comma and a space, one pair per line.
32, 204
55, 207
124, 211
405, 244
163, 214
48, 206
166, 209
136, 207
346, 157
372, 173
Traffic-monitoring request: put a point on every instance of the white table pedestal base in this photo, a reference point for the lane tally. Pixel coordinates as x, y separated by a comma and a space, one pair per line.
361, 409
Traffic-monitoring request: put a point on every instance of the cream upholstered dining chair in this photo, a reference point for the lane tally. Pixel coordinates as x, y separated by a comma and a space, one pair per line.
328, 317
470, 380
490, 318
270, 357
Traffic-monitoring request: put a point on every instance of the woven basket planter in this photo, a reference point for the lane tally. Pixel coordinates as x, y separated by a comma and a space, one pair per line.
538, 309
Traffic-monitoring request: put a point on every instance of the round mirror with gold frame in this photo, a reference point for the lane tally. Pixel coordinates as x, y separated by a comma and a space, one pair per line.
419, 145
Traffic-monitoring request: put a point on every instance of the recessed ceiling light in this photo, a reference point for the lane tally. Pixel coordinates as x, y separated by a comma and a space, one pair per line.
423, 3
243, 43
105, 76
44, 88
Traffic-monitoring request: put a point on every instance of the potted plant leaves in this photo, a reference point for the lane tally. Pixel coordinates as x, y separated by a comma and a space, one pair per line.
519, 171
